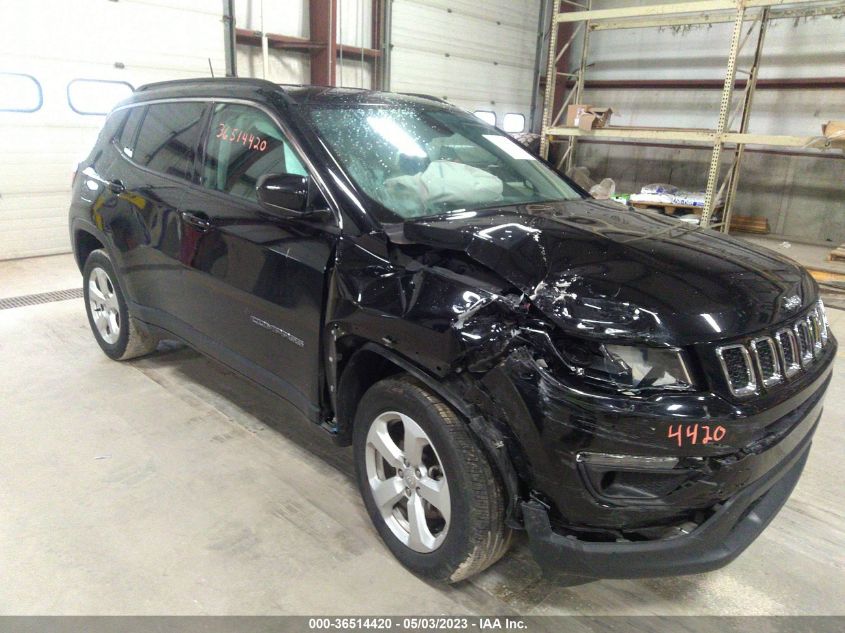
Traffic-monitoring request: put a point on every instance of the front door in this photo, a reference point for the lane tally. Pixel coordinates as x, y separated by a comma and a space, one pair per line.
256, 279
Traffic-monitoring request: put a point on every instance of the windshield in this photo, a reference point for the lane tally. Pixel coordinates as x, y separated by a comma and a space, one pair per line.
417, 162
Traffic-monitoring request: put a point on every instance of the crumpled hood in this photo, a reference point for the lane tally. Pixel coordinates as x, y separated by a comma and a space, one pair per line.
600, 270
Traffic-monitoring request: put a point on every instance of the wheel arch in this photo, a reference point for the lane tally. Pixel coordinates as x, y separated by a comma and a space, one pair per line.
85, 242
370, 362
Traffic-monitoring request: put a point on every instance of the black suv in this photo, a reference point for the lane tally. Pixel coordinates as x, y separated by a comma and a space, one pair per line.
503, 353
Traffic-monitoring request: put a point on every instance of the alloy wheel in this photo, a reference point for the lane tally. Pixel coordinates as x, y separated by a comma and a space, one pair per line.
105, 310
408, 482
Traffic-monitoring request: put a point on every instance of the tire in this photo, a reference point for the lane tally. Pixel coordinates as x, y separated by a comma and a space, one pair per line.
118, 333
471, 534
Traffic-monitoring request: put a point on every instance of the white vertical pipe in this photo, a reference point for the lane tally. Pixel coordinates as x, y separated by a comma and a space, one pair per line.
340, 40
265, 46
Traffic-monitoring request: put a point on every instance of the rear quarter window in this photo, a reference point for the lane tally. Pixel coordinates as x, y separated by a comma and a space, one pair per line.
168, 138
129, 133
112, 127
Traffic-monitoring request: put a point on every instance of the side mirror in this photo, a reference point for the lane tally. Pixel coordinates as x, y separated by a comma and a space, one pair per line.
283, 192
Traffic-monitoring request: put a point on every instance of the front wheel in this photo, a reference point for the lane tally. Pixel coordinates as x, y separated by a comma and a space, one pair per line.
428, 488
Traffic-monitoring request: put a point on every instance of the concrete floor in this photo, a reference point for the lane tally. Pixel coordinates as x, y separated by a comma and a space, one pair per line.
813, 256
168, 485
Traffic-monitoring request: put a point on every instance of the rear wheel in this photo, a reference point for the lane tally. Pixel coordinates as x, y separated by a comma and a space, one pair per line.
118, 333
429, 489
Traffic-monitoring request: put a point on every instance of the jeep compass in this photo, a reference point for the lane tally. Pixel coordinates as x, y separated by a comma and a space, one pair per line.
503, 353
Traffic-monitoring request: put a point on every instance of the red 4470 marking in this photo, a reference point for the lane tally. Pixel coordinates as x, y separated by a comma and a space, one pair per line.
692, 434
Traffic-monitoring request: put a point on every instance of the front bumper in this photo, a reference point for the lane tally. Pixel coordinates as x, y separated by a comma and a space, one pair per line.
592, 520
712, 544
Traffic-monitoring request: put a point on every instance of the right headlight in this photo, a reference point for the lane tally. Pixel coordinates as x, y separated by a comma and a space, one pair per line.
649, 367
630, 367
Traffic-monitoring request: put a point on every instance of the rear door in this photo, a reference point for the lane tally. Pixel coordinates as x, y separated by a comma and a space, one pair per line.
256, 279
158, 146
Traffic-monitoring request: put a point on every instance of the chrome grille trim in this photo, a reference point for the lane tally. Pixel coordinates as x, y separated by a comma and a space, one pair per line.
825, 326
774, 358
768, 377
805, 342
750, 386
789, 369
815, 326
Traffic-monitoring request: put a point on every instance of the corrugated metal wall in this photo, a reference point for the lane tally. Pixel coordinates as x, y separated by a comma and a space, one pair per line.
134, 41
479, 56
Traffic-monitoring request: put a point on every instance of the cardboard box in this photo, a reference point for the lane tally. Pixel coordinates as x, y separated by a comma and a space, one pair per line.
835, 130
587, 117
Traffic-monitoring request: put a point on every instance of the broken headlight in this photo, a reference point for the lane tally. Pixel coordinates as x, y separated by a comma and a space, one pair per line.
629, 367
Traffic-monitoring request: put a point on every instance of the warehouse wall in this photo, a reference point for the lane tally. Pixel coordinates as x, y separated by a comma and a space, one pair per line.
133, 41
285, 17
291, 17
479, 56
802, 196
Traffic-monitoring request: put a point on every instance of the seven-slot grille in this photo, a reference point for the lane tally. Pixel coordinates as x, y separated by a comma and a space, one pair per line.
769, 360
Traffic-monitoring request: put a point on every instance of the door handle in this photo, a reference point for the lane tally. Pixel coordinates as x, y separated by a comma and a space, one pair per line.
199, 220
116, 186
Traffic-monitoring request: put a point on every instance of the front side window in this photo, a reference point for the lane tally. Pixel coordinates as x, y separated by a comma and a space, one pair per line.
421, 161
168, 137
244, 144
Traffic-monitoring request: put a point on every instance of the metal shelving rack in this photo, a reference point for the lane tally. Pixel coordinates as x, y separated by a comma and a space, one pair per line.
738, 12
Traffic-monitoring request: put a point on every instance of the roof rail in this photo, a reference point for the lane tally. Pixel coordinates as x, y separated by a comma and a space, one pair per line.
202, 80
420, 95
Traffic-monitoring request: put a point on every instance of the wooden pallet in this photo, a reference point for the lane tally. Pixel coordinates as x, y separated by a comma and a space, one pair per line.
669, 208
741, 223
750, 223
837, 254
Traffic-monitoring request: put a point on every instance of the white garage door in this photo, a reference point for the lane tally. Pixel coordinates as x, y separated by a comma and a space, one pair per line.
477, 55
62, 62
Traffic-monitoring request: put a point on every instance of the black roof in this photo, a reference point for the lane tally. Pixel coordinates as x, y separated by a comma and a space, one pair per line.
294, 94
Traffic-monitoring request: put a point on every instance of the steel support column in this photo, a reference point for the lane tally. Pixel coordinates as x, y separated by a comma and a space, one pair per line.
551, 81
230, 38
568, 160
323, 21
747, 101
724, 110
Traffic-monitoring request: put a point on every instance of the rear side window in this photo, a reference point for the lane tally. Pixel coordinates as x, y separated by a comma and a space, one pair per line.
168, 138
244, 144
